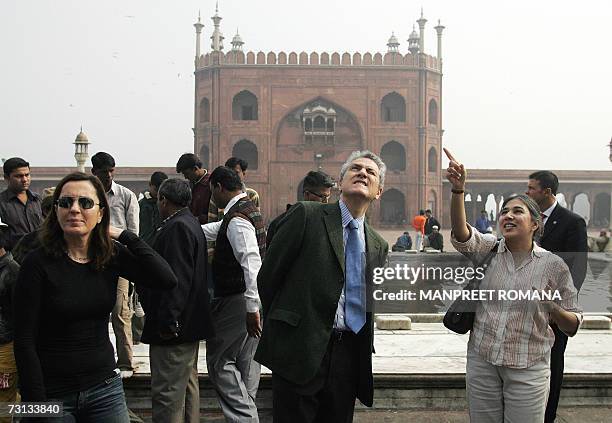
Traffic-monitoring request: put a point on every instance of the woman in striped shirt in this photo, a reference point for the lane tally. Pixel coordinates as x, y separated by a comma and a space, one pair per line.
507, 373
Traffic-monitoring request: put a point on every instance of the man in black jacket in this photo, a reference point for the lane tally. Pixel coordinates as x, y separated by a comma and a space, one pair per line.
179, 319
565, 235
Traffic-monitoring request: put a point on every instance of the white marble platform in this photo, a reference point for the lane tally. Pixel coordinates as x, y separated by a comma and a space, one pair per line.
429, 348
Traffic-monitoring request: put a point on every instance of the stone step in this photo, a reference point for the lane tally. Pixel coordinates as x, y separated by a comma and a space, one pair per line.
444, 392
596, 322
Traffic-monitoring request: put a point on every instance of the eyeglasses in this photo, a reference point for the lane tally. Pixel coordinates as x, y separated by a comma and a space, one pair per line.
323, 197
85, 203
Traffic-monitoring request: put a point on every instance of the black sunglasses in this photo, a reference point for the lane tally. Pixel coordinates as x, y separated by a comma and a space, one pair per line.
85, 203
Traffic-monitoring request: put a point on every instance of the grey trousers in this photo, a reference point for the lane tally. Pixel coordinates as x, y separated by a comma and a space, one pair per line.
229, 356
121, 319
175, 393
502, 394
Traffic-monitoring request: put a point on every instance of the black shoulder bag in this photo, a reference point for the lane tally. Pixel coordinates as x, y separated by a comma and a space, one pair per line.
460, 315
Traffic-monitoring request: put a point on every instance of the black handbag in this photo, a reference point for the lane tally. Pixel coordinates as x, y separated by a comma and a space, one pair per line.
460, 315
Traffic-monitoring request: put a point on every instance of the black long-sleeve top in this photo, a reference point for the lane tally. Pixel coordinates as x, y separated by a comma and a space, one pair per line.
61, 312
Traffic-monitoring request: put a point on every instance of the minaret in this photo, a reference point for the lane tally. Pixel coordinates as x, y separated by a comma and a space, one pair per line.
439, 30
393, 44
422, 21
413, 41
237, 42
217, 36
81, 150
198, 27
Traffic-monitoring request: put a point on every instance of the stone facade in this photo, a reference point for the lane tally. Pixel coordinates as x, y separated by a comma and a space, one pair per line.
287, 114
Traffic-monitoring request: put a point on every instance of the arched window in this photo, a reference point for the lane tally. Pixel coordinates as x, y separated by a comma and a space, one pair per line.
204, 110
205, 156
246, 150
244, 106
330, 125
393, 108
308, 125
319, 123
432, 160
392, 207
394, 156
433, 112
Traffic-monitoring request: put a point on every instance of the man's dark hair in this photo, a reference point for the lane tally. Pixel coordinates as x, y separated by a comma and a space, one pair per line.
188, 161
102, 160
317, 179
157, 178
14, 163
546, 179
428, 211
175, 190
421, 212
483, 211
232, 162
227, 177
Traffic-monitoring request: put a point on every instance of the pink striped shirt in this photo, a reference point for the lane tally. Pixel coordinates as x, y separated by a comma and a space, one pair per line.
516, 333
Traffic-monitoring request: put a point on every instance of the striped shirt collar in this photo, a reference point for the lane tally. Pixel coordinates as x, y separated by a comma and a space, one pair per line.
347, 216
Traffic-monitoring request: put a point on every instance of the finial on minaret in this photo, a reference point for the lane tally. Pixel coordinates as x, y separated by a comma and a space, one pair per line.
413, 41
422, 21
439, 30
217, 36
237, 42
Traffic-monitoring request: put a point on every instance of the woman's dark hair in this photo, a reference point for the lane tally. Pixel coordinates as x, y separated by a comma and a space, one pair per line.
100, 244
532, 206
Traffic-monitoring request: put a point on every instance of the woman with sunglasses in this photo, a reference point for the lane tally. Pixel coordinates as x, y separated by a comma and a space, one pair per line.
507, 372
64, 296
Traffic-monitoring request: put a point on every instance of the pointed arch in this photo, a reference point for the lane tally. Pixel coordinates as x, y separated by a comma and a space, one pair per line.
393, 108
247, 150
394, 156
432, 160
244, 106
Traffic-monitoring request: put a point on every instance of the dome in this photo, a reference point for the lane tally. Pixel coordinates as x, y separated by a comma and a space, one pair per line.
81, 138
237, 39
393, 40
331, 111
413, 35
307, 110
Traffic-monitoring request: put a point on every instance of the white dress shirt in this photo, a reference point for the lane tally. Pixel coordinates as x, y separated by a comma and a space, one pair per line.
124, 208
546, 213
242, 238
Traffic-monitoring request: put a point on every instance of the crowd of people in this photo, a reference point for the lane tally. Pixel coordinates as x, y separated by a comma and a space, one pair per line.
193, 261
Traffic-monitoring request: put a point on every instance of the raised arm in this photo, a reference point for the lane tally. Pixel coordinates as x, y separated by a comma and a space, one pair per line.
140, 263
456, 175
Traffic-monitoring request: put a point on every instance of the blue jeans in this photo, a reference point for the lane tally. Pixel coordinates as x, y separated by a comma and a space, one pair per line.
103, 403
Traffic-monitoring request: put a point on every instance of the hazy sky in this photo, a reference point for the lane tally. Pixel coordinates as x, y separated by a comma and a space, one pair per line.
526, 84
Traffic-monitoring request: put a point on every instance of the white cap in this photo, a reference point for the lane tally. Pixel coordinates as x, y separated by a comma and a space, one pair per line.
435, 227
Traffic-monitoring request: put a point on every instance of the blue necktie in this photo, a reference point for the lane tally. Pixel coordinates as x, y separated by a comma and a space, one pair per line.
354, 306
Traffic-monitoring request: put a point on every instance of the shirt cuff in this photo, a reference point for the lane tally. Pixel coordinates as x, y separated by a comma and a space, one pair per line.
127, 236
252, 305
